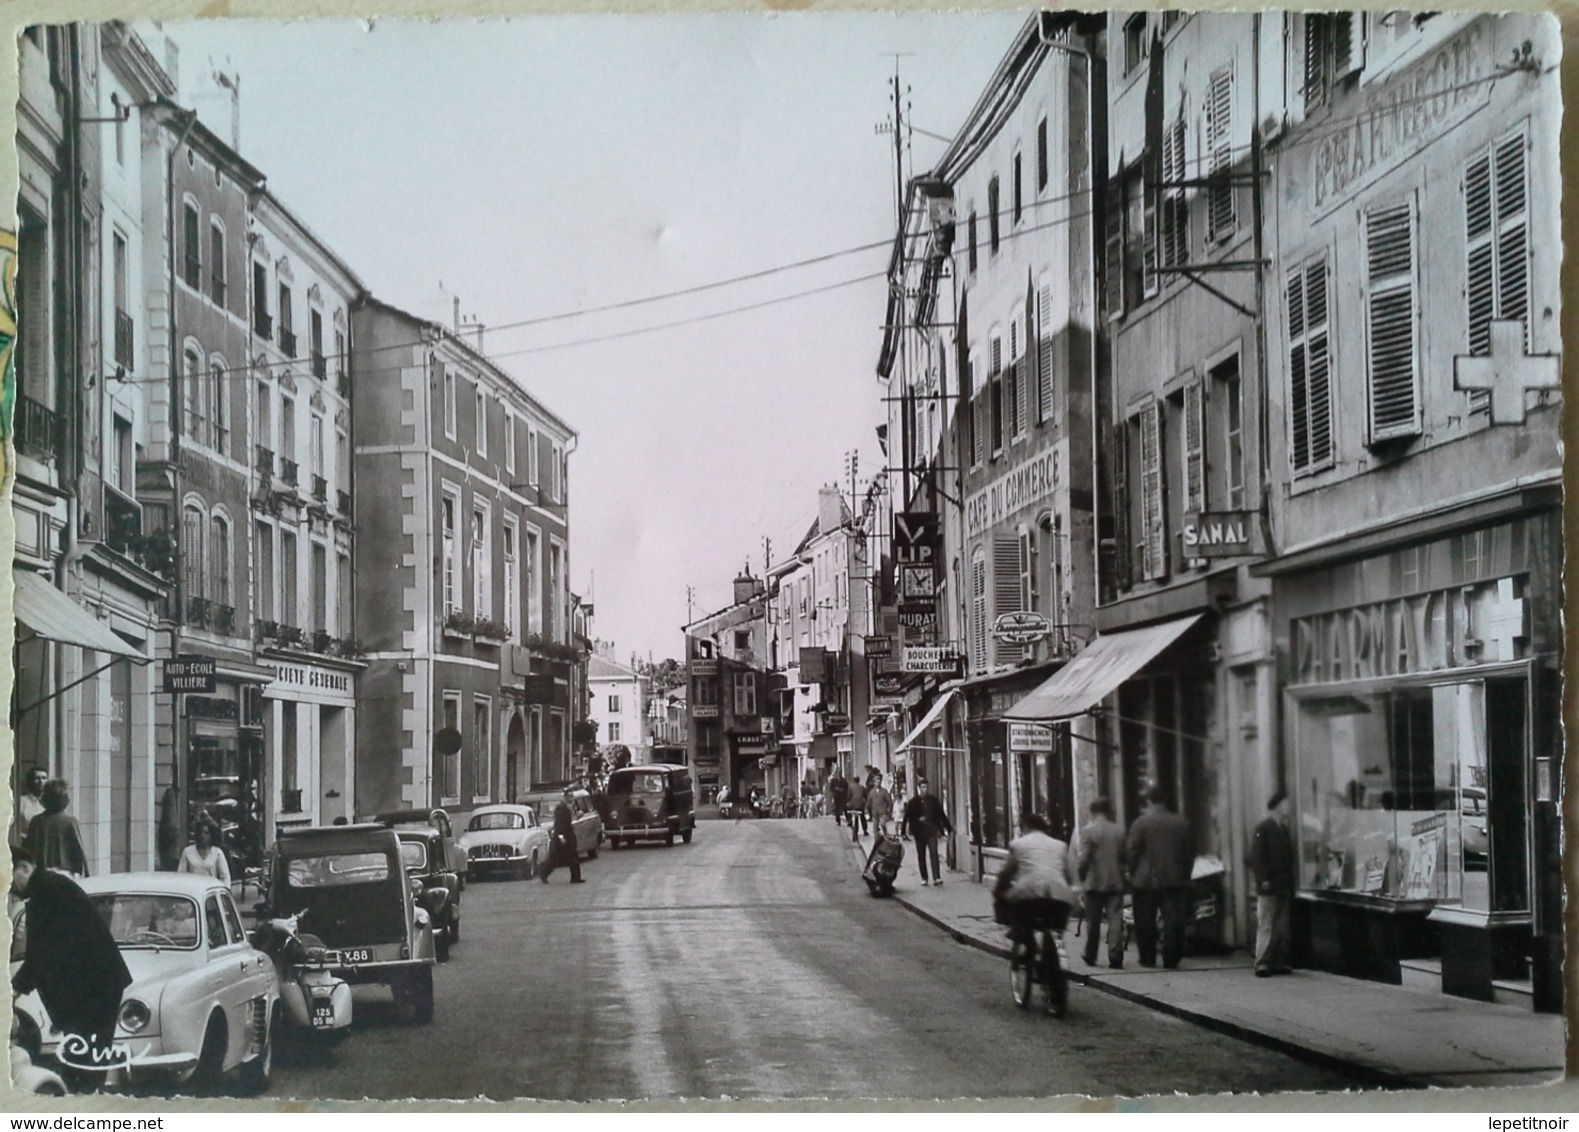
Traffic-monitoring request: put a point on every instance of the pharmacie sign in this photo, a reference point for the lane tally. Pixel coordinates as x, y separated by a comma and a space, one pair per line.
1450, 628
1029, 483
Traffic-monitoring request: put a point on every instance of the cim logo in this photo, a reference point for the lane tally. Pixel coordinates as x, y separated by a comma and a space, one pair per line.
80, 1052
1218, 534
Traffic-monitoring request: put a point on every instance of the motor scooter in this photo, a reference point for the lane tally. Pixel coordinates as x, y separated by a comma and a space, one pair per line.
882, 864
315, 998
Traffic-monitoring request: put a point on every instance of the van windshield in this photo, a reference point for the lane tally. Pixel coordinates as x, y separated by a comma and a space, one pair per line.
650, 783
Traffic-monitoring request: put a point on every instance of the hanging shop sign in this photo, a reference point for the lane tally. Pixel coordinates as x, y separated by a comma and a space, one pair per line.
919, 619
813, 665
704, 667
890, 685
1030, 737
1218, 534
937, 661
704, 711
918, 538
917, 583
878, 646
1022, 628
835, 721
189, 674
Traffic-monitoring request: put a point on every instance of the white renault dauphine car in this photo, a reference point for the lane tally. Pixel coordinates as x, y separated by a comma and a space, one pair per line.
504, 838
202, 1002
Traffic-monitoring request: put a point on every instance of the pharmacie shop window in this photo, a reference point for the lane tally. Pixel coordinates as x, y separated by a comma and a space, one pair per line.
1415, 793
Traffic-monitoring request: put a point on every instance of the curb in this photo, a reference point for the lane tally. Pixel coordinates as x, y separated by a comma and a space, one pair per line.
1362, 1072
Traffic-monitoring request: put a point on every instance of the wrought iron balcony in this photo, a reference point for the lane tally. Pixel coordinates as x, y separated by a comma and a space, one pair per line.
289, 472
221, 618
197, 612
288, 341
37, 429
265, 630
125, 339
263, 324
322, 640
343, 502
320, 489
263, 460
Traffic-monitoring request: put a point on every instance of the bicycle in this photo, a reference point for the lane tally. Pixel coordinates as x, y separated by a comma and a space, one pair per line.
1037, 957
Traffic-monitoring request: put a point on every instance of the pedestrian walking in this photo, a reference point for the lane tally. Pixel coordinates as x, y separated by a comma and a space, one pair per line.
29, 804
1102, 875
71, 960
169, 833
879, 803
1159, 853
54, 840
787, 799
204, 857
925, 820
562, 842
1272, 863
857, 809
839, 795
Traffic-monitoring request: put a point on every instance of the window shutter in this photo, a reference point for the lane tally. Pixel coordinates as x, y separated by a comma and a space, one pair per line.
1122, 543
1006, 592
1513, 253
1194, 447
1299, 376
1315, 44
978, 437
1220, 155
1310, 369
1480, 274
1390, 310
1022, 379
1154, 546
1348, 44
1151, 237
1044, 351
978, 608
1175, 210
1113, 225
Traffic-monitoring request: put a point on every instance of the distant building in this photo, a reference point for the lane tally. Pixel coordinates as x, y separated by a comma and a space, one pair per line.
469, 630
615, 695
734, 720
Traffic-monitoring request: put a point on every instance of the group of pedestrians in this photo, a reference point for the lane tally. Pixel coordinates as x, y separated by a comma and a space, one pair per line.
868, 804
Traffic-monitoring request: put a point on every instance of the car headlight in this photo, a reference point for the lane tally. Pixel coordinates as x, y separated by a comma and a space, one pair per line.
135, 1015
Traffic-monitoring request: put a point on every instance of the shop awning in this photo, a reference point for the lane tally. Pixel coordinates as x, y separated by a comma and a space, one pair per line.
927, 720
1100, 668
55, 617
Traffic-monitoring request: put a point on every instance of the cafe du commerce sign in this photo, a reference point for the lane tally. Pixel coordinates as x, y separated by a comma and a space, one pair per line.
1031, 482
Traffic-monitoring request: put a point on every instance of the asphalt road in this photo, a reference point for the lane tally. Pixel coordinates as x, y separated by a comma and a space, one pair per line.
750, 964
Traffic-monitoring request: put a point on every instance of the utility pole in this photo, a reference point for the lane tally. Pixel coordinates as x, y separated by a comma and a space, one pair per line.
690, 600
767, 555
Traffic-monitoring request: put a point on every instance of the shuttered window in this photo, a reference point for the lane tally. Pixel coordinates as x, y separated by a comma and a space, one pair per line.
1006, 573
1194, 447
1012, 399
1044, 352
1029, 597
995, 399
1496, 214
979, 414
1153, 546
1122, 543
1150, 236
1220, 220
978, 610
1390, 322
1310, 368
1022, 376
1174, 226
1113, 258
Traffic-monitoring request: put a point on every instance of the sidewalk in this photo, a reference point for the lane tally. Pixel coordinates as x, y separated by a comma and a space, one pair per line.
1390, 1035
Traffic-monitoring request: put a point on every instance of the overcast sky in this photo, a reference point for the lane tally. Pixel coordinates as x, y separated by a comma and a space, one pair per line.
549, 164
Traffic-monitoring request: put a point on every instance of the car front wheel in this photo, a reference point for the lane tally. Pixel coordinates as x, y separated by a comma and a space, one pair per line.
257, 1073
210, 1066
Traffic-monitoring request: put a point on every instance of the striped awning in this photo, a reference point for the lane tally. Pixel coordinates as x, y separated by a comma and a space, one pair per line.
50, 614
1096, 672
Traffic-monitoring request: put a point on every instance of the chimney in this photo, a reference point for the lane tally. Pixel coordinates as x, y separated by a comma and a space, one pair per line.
830, 509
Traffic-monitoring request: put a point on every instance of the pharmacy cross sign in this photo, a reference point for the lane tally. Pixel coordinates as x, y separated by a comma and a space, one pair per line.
1506, 372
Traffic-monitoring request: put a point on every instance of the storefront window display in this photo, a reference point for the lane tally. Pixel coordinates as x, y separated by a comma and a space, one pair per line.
1396, 790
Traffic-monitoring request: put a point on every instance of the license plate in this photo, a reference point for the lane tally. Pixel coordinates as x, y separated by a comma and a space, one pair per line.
355, 955
323, 1017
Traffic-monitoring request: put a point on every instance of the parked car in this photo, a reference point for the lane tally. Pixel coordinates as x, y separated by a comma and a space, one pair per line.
588, 823
203, 1001
350, 885
504, 838
650, 801
432, 857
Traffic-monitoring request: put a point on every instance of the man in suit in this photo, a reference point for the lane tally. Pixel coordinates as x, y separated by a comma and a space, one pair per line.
1272, 862
1102, 874
1159, 853
562, 841
925, 820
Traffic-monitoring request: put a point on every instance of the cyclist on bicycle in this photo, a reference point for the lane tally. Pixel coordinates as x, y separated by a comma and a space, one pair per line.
1036, 886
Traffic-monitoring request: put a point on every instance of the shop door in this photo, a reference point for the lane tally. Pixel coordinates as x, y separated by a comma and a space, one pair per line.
1507, 808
